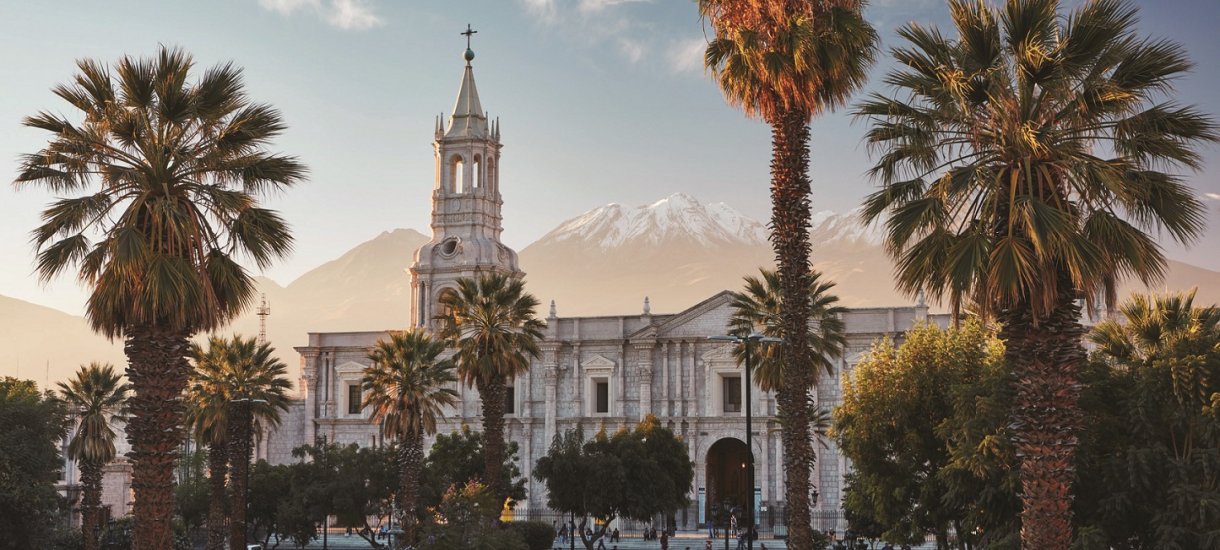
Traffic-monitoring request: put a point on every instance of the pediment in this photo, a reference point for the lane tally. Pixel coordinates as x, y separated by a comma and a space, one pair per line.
597, 363
694, 321
350, 367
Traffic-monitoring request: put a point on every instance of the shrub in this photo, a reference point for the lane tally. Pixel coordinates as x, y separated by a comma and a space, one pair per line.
538, 535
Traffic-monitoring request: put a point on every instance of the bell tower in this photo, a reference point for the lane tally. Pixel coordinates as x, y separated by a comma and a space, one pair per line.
466, 221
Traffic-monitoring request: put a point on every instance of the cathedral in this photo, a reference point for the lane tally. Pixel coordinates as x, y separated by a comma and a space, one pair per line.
603, 372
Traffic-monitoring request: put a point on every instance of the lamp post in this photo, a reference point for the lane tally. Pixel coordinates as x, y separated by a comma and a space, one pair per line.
745, 342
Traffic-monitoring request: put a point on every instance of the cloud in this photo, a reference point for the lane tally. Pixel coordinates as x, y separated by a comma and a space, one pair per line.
608, 25
344, 14
632, 49
599, 5
687, 56
1211, 196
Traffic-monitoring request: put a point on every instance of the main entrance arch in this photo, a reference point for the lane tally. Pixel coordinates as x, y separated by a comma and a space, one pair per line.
726, 479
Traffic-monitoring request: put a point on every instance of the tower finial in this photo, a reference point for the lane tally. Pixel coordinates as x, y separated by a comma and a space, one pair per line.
469, 52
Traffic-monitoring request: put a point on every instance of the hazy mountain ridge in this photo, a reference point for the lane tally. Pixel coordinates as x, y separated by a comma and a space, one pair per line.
676, 251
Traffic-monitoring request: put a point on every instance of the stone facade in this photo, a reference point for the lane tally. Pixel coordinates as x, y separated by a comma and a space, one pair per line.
602, 372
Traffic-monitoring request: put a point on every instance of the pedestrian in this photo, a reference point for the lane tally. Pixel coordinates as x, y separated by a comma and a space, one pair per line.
665, 539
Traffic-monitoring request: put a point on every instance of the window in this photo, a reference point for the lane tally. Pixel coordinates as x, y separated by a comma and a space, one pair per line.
353, 399
510, 400
732, 393
601, 394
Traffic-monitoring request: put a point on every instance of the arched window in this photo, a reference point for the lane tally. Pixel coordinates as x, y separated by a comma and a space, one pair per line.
491, 175
457, 173
478, 172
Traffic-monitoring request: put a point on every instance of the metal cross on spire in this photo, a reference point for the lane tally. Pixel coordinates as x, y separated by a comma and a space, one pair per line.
467, 34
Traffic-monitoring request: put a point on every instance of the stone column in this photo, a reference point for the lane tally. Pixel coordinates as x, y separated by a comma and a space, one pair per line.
550, 373
765, 480
692, 400
680, 404
309, 360
666, 403
644, 371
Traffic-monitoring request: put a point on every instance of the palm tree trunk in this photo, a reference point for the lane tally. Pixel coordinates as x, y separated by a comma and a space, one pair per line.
492, 396
239, 468
157, 370
411, 461
218, 465
1045, 357
91, 502
790, 239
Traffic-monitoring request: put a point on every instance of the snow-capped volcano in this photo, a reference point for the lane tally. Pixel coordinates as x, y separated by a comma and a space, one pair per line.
676, 216
681, 216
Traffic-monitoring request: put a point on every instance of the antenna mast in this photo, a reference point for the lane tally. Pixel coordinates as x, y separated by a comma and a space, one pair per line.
264, 310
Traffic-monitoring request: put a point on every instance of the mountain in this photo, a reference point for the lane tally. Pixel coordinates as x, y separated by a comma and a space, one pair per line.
367, 288
676, 251
39, 343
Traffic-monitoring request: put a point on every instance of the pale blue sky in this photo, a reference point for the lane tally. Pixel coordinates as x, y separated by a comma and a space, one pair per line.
600, 100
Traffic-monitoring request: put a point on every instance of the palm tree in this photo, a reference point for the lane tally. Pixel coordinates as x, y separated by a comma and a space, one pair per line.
758, 309
160, 179
207, 418
407, 388
491, 323
786, 61
1156, 329
244, 382
97, 396
1021, 167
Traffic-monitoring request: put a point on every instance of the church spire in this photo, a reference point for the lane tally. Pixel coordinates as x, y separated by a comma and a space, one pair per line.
467, 120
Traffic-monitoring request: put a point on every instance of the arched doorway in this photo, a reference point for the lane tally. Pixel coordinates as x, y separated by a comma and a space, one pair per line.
726, 480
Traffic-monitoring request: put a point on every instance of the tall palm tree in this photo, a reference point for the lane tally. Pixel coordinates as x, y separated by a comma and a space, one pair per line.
1023, 165
207, 419
245, 382
407, 389
786, 61
97, 397
490, 320
160, 178
757, 308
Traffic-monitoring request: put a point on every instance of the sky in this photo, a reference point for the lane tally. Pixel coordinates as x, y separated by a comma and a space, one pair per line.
600, 101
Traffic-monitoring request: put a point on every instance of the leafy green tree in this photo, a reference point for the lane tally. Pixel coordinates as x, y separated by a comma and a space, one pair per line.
1153, 446
906, 425
270, 487
635, 474
160, 179
466, 520
96, 397
491, 323
352, 484
457, 458
31, 428
757, 308
1025, 163
407, 389
235, 382
192, 494
786, 61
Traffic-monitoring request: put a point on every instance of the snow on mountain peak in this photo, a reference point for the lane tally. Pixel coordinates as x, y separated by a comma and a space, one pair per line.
681, 215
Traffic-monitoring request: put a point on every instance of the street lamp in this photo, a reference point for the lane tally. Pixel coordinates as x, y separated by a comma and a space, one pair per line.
745, 341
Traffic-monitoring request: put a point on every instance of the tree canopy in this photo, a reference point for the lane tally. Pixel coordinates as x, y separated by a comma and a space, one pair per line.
32, 424
635, 474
